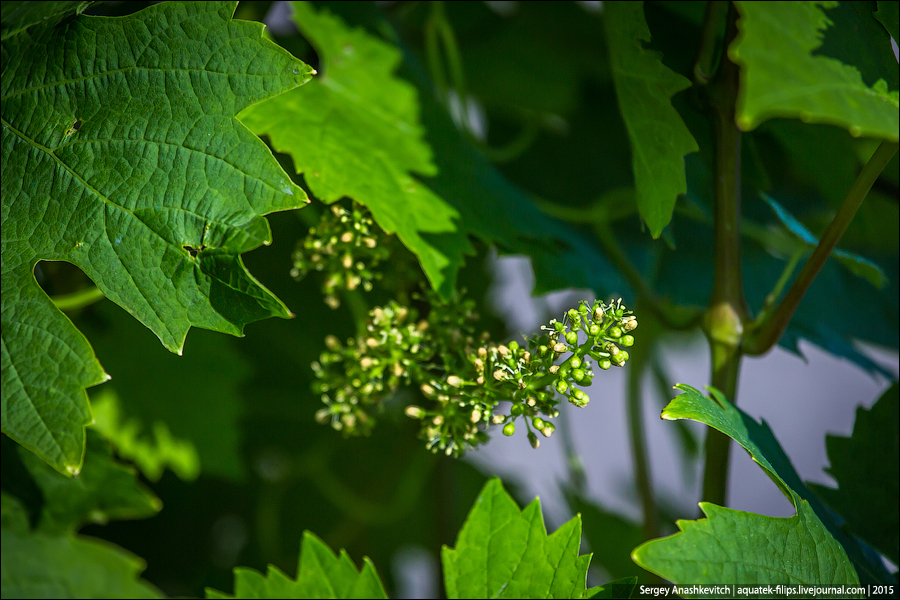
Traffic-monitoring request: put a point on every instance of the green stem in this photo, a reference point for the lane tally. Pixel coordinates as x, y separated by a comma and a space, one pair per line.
640, 355
786, 274
724, 320
768, 329
433, 54
712, 19
574, 464
79, 299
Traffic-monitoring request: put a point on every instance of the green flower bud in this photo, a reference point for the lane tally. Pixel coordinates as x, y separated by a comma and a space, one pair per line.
509, 429
572, 337
575, 362
578, 375
615, 332
513, 345
538, 423
594, 330
627, 340
579, 398
532, 438
562, 386
604, 364
516, 410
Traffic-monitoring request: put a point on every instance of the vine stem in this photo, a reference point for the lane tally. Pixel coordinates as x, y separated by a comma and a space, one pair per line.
640, 359
727, 312
768, 328
79, 299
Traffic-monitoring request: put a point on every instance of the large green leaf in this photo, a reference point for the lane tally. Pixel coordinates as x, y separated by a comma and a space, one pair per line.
781, 77
36, 565
504, 552
659, 138
865, 467
121, 155
745, 548
321, 574
354, 131
758, 440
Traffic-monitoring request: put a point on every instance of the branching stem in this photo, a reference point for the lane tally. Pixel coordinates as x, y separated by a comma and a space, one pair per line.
768, 328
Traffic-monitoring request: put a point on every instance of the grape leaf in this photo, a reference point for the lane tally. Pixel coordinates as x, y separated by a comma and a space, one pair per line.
780, 76
354, 131
759, 441
865, 467
105, 490
659, 138
856, 264
887, 15
502, 552
121, 155
37, 565
321, 574
745, 548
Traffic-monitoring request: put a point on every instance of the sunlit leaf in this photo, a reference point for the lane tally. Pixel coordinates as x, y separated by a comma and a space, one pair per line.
782, 77
121, 155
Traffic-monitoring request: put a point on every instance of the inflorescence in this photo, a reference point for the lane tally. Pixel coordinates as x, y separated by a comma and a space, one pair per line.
467, 380
347, 246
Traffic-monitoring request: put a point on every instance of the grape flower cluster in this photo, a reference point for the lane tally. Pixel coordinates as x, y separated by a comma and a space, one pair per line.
347, 246
465, 379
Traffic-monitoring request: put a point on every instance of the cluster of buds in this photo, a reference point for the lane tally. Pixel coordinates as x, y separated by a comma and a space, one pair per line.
346, 246
398, 349
463, 382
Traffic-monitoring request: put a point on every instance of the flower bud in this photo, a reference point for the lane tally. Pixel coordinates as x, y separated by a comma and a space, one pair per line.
499, 374
427, 390
532, 438
454, 381
572, 337
414, 412
615, 332
538, 423
497, 419
598, 314
627, 340
323, 415
560, 348
509, 429
548, 429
